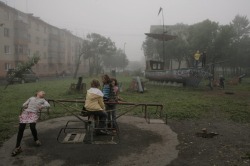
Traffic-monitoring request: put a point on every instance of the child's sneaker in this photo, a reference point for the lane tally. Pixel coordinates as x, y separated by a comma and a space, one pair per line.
38, 143
16, 151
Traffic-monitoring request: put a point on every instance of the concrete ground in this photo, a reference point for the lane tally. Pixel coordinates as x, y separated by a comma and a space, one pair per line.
140, 144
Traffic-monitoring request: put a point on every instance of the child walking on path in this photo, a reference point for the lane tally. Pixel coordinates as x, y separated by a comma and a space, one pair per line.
30, 115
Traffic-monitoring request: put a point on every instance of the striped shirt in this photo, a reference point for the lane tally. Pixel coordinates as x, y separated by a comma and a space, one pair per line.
106, 91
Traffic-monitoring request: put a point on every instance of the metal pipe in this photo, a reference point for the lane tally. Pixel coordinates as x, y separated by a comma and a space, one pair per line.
106, 102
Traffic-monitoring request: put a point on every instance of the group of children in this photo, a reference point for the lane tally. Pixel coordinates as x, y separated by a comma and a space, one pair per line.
95, 99
94, 104
200, 57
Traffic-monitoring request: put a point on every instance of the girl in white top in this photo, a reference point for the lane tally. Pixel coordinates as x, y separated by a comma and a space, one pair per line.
30, 115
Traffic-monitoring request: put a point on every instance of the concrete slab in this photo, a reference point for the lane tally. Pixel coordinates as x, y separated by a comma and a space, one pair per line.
140, 144
157, 121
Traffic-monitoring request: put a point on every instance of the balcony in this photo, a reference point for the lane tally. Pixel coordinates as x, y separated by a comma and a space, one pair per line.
21, 33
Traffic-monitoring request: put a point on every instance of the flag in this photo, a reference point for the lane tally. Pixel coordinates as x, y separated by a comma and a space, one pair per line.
160, 11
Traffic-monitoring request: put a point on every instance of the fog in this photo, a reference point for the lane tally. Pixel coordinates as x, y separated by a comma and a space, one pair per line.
126, 21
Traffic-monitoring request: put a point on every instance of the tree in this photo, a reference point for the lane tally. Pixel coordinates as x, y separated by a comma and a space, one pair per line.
240, 45
121, 59
222, 43
201, 37
117, 60
100, 48
241, 27
82, 52
148, 47
177, 49
174, 49
220, 46
21, 68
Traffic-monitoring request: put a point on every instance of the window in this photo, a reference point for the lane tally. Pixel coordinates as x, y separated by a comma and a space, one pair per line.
29, 38
20, 49
7, 15
29, 22
154, 66
28, 52
7, 49
37, 53
37, 26
7, 66
37, 40
159, 66
44, 42
6, 32
45, 29
16, 49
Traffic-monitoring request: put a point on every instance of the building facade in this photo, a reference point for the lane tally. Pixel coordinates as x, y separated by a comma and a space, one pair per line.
24, 35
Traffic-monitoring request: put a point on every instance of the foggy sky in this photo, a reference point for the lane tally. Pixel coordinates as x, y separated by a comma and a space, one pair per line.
126, 21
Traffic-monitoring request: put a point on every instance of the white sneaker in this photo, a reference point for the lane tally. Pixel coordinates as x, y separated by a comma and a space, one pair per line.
38, 143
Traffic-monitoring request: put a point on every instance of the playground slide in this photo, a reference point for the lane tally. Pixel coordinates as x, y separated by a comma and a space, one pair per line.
140, 89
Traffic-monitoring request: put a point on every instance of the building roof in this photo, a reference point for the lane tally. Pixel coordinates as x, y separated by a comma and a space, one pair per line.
161, 37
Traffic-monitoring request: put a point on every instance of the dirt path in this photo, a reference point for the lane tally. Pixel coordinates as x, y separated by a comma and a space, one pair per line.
230, 148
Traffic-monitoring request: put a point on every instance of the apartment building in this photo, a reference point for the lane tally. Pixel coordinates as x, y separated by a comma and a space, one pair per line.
23, 35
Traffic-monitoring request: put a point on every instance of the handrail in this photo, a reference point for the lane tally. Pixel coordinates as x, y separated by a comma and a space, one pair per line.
131, 106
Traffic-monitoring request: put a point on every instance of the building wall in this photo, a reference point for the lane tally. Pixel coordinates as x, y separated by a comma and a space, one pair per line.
24, 35
175, 64
6, 22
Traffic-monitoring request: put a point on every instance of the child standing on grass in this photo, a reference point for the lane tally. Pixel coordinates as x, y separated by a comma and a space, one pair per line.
30, 115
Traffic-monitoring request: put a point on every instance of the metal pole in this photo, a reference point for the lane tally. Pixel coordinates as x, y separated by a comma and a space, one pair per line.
124, 47
124, 56
163, 42
26, 6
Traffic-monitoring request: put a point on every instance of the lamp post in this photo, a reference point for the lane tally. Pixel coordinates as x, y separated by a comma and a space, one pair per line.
124, 47
101, 48
124, 56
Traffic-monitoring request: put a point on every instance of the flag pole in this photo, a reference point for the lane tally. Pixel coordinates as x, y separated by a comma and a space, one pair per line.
163, 42
163, 37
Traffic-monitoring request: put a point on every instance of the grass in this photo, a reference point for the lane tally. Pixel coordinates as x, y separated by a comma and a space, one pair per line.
179, 102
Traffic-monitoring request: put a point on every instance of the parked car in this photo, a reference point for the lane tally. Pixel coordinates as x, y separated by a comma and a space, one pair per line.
27, 76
